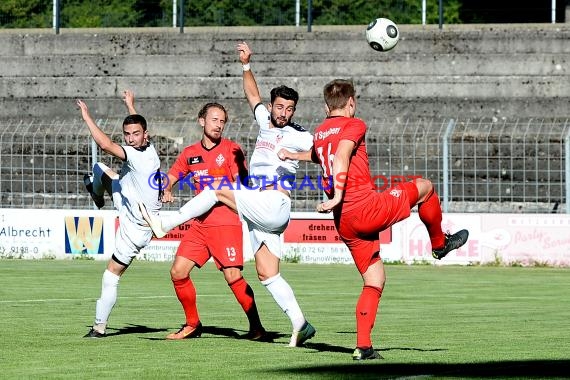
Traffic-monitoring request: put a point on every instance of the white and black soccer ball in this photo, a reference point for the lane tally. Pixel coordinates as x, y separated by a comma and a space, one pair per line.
382, 34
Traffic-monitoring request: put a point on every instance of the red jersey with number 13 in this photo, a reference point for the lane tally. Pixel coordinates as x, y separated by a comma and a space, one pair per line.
358, 182
224, 162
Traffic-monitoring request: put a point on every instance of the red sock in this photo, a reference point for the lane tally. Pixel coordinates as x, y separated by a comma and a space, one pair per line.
186, 294
430, 214
366, 310
244, 295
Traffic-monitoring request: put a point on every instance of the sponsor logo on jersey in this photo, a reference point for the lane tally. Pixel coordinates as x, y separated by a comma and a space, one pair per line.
324, 134
217, 172
195, 160
264, 144
199, 173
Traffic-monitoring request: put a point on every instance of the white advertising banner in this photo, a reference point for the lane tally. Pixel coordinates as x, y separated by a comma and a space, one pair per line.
526, 239
522, 239
509, 239
417, 246
56, 234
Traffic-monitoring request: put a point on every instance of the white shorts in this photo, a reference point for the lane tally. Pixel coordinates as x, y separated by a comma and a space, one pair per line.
266, 214
130, 238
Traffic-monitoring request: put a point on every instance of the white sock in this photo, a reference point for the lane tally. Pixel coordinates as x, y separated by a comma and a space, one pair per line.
285, 298
199, 205
108, 297
98, 170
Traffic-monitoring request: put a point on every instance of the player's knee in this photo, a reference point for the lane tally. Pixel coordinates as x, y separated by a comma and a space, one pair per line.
425, 188
232, 275
264, 273
377, 282
178, 274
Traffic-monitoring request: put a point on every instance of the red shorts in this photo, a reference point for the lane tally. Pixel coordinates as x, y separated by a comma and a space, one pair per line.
223, 243
359, 228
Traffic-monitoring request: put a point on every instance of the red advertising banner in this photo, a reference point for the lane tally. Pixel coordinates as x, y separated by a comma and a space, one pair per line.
320, 231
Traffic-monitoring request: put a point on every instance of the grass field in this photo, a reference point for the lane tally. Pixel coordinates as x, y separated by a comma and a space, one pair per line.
434, 322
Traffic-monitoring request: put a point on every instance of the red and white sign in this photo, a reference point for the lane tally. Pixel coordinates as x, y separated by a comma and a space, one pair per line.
312, 238
321, 231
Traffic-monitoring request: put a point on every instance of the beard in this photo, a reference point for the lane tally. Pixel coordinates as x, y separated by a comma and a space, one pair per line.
279, 124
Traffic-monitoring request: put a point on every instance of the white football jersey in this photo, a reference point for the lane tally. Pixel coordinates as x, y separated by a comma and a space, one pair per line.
138, 181
265, 163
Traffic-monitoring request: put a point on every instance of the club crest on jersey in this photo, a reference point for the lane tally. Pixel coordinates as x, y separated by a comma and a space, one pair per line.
278, 139
220, 159
395, 193
195, 160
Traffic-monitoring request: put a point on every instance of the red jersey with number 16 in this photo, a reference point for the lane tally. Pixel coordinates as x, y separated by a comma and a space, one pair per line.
358, 182
217, 168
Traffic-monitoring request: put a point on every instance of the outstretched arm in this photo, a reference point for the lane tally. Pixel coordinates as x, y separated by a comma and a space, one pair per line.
101, 139
249, 84
129, 99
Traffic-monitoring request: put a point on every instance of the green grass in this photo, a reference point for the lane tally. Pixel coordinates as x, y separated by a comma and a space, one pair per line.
436, 322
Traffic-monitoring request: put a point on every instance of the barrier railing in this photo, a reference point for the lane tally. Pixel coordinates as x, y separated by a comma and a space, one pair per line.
482, 165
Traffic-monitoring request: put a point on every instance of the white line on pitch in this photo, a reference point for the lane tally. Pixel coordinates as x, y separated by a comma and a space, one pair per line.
123, 297
81, 299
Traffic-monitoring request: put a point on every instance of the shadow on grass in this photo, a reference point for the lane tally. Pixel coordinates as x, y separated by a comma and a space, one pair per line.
379, 369
224, 332
324, 347
347, 350
133, 329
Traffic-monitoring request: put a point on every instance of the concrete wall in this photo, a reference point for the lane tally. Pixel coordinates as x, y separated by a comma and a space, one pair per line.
469, 71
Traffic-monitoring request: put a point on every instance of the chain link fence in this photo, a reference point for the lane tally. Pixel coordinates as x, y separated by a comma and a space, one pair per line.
477, 165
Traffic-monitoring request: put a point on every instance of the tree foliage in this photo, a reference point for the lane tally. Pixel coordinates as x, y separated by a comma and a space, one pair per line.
24, 13
99, 13
139, 13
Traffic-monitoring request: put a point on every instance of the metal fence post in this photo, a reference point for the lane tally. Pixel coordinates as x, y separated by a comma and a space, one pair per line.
174, 13
181, 15
567, 168
448, 131
440, 14
309, 15
56, 16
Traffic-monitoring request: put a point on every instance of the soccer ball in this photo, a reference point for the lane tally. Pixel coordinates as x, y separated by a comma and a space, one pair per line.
382, 34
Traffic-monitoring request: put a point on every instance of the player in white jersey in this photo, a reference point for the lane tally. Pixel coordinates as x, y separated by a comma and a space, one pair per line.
138, 182
266, 205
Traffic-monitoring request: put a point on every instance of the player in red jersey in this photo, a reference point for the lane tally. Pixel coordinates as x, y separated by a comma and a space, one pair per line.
210, 162
360, 213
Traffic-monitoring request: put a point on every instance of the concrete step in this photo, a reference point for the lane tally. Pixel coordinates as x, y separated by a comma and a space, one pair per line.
290, 65
470, 70
343, 40
412, 86
310, 111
